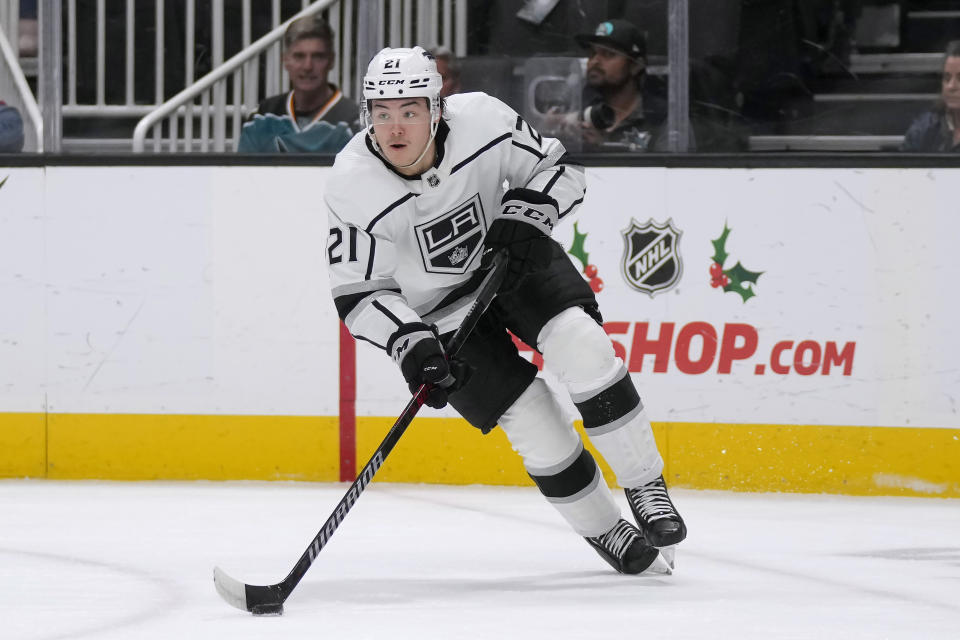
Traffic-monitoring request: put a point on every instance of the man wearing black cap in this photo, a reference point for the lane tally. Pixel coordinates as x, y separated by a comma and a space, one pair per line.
625, 114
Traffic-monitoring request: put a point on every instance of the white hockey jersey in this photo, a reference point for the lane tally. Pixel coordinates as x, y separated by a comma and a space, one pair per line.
406, 249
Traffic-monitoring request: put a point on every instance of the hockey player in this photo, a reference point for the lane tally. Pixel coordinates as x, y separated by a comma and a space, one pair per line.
413, 202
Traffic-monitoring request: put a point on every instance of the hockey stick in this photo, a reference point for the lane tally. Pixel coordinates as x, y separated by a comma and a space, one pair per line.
269, 599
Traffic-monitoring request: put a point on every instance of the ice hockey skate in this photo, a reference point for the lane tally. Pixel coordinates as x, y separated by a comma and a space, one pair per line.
625, 549
655, 514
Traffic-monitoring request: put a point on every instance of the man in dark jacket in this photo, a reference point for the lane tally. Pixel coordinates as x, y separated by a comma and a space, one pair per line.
628, 109
314, 116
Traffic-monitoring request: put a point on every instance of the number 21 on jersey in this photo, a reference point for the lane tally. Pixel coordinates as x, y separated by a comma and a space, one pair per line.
335, 248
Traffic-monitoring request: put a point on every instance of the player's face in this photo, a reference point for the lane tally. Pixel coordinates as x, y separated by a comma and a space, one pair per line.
608, 68
308, 62
951, 83
402, 129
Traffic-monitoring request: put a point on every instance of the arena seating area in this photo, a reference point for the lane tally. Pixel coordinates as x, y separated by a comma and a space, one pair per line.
766, 75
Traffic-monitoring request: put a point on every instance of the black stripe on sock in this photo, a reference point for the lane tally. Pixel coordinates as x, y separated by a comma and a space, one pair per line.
609, 405
571, 480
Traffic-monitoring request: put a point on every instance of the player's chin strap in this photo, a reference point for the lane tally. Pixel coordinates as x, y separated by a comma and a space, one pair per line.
433, 134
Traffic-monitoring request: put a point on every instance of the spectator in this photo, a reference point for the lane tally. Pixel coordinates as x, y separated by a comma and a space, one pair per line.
627, 111
449, 68
314, 116
27, 34
11, 129
939, 129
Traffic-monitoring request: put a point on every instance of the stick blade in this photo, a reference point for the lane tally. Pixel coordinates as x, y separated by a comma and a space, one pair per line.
257, 600
233, 591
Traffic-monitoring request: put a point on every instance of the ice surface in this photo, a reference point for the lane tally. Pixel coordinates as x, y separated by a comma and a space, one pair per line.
135, 560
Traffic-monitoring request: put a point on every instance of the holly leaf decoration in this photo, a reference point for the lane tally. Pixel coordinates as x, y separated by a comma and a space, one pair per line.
578, 249
740, 279
719, 246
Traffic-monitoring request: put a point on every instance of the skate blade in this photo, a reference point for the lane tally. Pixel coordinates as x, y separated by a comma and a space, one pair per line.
669, 555
662, 565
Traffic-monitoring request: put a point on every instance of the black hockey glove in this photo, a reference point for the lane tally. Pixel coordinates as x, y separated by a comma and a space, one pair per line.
526, 220
417, 349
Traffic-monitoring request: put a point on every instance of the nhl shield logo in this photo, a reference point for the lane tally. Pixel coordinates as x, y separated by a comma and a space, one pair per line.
651, 259
450, 242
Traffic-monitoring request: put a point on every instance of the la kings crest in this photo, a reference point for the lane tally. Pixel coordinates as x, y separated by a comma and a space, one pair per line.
651, 258
450, 242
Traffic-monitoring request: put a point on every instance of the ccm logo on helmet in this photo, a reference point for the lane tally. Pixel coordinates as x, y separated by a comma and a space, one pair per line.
391, 82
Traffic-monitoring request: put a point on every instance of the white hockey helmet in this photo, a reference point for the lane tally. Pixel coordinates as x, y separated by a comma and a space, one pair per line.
402, 73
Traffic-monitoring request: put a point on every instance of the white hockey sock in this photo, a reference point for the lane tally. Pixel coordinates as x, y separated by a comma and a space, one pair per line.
630, 450
579, 353
554, 456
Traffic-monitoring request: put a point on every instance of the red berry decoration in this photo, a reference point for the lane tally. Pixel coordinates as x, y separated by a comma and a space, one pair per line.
590, 271
717, 277
596, 284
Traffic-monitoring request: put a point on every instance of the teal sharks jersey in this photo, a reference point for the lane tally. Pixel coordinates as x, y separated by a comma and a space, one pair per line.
275, 127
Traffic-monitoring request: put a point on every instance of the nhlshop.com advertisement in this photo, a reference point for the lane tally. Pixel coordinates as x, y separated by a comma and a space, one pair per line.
788, 296
785, 296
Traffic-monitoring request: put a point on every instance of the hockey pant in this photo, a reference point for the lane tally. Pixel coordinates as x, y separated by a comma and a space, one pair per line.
579, 353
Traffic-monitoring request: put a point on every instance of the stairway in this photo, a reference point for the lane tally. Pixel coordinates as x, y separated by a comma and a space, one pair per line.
869, 103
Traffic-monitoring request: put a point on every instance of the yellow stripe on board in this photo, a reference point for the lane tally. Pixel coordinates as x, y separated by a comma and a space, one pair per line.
191, 447
816, 459
23, 445
739, 457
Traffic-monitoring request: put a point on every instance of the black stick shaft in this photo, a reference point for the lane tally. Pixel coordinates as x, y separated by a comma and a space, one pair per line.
488, 289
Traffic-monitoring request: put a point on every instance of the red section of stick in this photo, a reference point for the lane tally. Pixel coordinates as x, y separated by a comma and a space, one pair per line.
348, 405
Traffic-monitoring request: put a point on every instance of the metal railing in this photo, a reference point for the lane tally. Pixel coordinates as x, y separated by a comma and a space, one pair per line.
828, 143
15, 91
231, 92
10, 24
80, 49
242, 73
